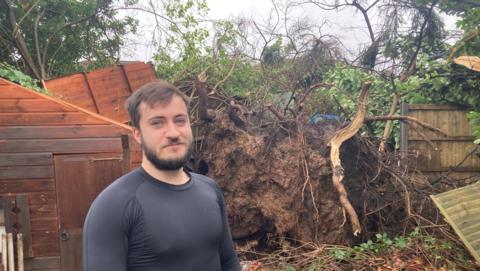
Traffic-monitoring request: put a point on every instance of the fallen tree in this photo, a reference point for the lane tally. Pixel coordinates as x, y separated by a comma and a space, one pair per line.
299, 190
276, 170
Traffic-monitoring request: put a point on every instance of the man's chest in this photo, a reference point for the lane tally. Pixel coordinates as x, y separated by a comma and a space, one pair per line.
181, 223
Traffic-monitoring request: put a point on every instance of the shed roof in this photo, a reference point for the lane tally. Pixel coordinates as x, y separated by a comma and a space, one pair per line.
15, 98
103, 91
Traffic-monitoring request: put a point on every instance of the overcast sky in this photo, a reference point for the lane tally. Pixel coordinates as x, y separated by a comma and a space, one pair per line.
347, 25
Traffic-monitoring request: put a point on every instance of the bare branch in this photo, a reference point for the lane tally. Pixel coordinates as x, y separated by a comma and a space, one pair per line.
28, 12
335, 144
20, 41
37, 44
406, 119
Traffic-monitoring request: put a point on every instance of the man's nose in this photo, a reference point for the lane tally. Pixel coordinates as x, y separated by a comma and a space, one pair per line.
172, 130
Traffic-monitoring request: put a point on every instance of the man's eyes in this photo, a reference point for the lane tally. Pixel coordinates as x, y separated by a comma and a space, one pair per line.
159, 123
156, 123
181, 121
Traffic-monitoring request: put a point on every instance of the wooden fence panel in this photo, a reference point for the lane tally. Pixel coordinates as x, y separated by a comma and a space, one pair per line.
103, 91
461, 208
456, 152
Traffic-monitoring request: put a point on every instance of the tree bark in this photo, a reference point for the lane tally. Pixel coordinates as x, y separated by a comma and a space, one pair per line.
335, 144
20, 41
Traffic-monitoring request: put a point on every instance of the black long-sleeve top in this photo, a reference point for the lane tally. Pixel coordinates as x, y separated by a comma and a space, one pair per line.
139, 223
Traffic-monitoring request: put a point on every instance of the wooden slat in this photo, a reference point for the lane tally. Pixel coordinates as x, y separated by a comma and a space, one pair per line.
25, 159
124, 73
73, 89
24, 186
429, 107
37, 119
107, 88
13, 91
31, 105
46, 250
104, 73
58, 146
466, 213
445, 169
67, 131
42, 198
461, 209
450, 198
71, 252
26, 172
44, 224
42, 264
440, 138
449, 154
39, 237
137, 66
471, 229
110, 91
45, 243
136, 156
452, 122
77, 108
134, 145
48, 210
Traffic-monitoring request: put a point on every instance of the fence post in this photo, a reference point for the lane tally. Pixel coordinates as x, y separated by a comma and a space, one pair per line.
11, 262
20, 252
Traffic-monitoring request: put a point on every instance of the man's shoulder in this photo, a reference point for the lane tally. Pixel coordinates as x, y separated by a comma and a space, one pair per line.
122, 188
207, 181
202, 178
109, 207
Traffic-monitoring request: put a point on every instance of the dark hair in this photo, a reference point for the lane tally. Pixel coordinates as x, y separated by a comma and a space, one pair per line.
153, 93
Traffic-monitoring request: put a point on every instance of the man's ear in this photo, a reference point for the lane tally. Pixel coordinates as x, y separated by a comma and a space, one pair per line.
137, 135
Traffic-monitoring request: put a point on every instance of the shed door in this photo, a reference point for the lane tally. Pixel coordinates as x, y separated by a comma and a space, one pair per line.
79, 179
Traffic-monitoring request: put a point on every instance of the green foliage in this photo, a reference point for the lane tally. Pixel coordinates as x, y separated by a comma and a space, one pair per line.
10, 73
425, 34
186, 52
468, 11
469, 21
343, 96
273, 55
434, 248
474, 118
67, 33
381, 245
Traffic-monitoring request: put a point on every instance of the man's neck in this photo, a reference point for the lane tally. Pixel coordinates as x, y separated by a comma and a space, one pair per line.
175, 177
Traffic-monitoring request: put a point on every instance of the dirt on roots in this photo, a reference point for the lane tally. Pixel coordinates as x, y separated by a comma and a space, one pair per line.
278, 185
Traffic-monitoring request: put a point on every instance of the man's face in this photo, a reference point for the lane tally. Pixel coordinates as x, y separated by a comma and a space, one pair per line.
165, 134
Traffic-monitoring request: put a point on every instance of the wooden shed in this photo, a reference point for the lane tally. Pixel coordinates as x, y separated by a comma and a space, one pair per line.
103, 91
55, 158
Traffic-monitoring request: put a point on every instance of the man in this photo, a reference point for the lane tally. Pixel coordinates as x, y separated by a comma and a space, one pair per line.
159, 217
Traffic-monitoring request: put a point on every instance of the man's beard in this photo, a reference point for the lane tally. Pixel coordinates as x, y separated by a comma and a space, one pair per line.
167, 164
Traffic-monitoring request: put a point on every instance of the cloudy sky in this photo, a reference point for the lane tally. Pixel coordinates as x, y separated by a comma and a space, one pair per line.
347, 25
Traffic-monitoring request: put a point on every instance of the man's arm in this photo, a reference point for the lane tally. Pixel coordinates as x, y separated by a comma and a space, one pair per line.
105, 244
228, 256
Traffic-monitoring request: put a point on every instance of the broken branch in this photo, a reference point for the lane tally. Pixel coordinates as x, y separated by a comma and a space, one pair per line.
201, 87
335, 143
406, 119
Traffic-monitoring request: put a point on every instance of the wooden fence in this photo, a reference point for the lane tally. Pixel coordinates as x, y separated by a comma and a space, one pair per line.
454, 155
103, 91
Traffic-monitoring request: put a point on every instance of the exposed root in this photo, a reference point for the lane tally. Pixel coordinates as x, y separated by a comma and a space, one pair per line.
338, 171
